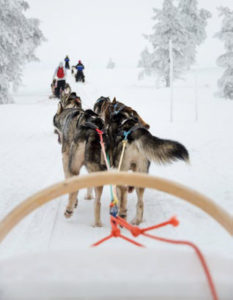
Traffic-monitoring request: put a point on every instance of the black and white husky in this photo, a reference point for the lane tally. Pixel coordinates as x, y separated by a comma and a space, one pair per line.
141, 148
80, 147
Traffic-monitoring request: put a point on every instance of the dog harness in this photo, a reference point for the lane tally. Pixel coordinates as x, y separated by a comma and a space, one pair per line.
117, 110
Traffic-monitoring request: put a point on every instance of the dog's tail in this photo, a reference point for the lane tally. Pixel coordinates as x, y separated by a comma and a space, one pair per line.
159, 150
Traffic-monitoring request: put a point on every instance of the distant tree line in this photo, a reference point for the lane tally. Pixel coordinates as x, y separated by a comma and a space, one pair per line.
185, 25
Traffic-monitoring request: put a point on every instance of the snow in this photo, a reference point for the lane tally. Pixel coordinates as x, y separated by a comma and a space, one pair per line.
122, 274
52, 254
31, 161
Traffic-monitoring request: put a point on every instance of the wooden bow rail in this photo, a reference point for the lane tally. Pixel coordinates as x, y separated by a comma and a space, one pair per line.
117, 178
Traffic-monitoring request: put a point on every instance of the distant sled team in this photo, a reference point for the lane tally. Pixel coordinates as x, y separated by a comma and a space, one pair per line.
59, 84
76, 129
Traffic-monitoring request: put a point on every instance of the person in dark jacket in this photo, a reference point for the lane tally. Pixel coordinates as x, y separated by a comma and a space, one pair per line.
80, 75
67, 62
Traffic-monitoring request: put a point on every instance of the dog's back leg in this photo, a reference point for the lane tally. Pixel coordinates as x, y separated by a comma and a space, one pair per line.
95, 167
72, 163
122, 192
98, 194
73, 196
140, 207
89, 194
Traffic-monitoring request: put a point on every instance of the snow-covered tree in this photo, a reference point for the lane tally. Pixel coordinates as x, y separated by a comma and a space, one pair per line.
19, 37
194, 21
185, 26
167, 27
110, 64
225, 83
146, 63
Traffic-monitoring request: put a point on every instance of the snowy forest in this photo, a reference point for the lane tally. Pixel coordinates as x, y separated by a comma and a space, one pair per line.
185, 25
181, 22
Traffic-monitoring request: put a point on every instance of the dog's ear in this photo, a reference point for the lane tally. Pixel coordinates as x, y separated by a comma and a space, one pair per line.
90, 113
78, 100
59, 108
114, 100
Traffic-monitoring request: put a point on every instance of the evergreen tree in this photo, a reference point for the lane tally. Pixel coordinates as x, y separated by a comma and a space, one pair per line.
185, 27
145, 63
167, 27
194, 21
225, 83
19, 37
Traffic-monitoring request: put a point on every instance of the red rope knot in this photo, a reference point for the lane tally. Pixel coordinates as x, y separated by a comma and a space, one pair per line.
100, 133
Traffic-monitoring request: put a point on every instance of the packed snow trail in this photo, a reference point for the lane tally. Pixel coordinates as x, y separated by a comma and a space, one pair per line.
31, 160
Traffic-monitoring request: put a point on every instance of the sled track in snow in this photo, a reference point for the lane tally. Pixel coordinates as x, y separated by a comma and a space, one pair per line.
117, 178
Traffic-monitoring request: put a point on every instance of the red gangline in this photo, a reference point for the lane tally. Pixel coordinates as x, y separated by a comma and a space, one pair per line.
199, 254
136, 231
116, 232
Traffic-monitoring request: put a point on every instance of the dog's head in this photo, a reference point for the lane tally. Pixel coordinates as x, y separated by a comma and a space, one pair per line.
91, 117
72, 101
101, 104
90, 124
67, 89
123, 119
117, 108
66, 92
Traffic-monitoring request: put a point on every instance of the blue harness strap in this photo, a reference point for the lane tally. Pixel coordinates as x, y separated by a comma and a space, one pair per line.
117, 111
126, 133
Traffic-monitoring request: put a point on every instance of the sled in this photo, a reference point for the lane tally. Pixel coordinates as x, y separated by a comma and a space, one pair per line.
104, 273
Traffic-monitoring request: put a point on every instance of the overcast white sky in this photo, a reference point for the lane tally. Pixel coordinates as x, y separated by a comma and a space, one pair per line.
94, 30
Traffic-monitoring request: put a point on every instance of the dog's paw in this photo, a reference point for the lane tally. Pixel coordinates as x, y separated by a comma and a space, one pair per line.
68, 213
98, 224
135, 221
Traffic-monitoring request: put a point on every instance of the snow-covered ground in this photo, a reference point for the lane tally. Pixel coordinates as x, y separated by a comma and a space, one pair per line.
30, 160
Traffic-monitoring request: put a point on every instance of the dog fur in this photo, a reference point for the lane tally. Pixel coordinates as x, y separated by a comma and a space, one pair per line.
66, 92
69, 102
142, 148
80, 147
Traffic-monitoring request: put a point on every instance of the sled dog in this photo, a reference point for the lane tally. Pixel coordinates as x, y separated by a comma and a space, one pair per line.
65, 105
71, 100
64, 93
53, 86
73, 71
141, 148
106, 109
80, 147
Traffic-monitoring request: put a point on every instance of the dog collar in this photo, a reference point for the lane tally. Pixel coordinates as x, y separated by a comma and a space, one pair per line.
132, 129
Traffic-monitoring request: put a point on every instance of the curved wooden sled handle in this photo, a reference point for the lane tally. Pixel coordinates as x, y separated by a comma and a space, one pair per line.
118, 178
